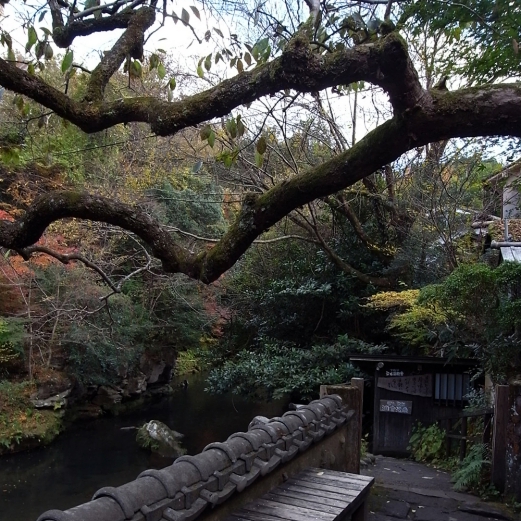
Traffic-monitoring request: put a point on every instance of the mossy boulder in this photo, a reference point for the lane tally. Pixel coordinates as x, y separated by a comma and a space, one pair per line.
159, 438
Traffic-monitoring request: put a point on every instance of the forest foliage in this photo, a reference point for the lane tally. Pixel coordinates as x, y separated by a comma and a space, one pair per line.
331, 205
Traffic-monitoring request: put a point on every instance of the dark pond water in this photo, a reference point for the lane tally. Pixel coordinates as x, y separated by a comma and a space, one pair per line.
98, 453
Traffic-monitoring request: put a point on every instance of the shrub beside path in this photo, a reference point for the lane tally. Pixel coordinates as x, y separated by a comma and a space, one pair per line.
413, 491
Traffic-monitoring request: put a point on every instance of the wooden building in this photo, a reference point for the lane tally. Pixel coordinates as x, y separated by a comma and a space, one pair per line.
406, 390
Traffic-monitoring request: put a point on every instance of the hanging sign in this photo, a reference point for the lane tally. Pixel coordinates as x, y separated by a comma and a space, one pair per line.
396, 406
419, 385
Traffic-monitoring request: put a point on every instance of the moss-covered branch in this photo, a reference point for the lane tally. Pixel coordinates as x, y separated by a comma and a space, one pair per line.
491, 110
384, 63
129, 44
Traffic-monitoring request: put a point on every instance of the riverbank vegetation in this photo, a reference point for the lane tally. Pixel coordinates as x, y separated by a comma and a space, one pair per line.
21, 426
312, 183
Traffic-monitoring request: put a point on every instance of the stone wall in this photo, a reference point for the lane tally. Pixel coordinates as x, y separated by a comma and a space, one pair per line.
226, 475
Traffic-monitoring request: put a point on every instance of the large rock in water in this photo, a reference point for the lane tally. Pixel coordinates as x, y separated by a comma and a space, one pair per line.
158, 437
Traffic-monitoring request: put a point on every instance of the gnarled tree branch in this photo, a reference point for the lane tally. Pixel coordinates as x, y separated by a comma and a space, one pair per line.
385, 63
490, 110
129, 44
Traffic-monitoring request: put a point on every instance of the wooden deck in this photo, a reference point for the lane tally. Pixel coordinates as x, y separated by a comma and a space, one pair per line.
312, 495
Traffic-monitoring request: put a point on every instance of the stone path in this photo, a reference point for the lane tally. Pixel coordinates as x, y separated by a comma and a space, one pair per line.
407, 490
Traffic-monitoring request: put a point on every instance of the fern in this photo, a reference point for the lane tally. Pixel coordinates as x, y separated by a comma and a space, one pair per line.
470, 473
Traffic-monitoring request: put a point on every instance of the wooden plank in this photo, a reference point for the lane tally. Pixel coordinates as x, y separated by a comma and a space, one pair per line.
252, 516
256, 507
338, 481
304, 502
235, 517
318, 488
319, 493
338, 473
343, 477
330, 485
319, 500
342, 486
313, 495
301, 507
308, 506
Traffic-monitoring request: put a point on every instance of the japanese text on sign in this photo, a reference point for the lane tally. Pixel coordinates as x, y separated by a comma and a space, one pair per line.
396, 406
419, 385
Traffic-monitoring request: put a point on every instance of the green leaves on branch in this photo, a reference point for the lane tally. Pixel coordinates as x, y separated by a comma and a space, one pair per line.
135, 69
260, 150
207, 133
154, 62
67, 61
231, 128
32, 38
207, 62
5, 39
228, 157
234, 128
161, 71
261, 145
170, 90
261, 51
43, 49
195, 11
185, 15
273, 368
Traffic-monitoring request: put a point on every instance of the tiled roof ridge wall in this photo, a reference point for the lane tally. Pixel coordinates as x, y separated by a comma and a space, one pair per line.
183, 490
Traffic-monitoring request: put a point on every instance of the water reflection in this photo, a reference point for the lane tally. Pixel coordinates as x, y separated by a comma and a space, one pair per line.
95, 454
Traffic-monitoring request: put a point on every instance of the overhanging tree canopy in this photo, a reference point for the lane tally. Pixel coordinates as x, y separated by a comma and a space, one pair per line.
322, 52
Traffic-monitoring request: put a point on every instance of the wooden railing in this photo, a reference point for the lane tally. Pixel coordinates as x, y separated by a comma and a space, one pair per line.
457, 429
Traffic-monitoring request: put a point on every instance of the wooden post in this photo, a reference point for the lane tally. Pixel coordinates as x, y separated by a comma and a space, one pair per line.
351, 397
375, 449
500, 437
463, 442
359, 384
513, 441
448, 439
487, 431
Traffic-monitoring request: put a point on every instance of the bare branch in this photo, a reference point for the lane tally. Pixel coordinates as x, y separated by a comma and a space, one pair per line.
26, 253
105, 8
340, 263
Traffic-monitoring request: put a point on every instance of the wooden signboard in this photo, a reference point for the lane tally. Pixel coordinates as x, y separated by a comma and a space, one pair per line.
419, 385
396, 406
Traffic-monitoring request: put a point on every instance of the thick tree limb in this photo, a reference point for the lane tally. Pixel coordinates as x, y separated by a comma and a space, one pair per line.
58, 205
490, 110
64, 35
129, 44
384, 63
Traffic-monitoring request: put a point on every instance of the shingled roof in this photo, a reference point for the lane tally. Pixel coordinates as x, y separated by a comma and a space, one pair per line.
186, 488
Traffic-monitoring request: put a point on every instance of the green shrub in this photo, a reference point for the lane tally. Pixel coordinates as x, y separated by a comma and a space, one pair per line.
19, 422
471, 471
12, 335
427, 444
275, 368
